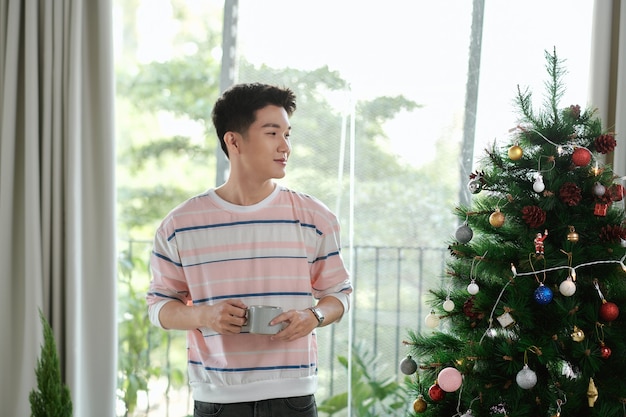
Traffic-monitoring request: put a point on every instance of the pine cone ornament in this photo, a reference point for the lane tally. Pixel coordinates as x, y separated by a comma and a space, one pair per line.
605, 143
468, 309
570, 194
612, 233
534, 216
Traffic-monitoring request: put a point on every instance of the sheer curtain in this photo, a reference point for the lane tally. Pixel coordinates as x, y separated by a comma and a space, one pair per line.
608, 73
57, 199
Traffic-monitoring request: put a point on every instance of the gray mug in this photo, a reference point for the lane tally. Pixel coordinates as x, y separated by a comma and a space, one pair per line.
258, 320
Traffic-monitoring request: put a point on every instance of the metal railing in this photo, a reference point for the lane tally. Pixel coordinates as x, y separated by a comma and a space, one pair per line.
390, 292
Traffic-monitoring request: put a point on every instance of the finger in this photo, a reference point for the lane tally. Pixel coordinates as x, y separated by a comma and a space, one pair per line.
238, 303
237, 310
281, 318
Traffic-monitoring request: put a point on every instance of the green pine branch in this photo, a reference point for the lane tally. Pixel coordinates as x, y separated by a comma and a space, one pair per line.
555, 86
52, 397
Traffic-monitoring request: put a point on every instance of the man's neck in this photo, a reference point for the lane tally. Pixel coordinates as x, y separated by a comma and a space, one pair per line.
245, 194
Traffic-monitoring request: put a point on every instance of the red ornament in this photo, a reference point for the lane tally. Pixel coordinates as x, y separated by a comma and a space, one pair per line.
581, 157
436, 393
608, 311
617, 192
605, 351
601, 209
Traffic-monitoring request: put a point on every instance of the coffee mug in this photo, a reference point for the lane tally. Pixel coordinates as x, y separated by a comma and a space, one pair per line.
258, 320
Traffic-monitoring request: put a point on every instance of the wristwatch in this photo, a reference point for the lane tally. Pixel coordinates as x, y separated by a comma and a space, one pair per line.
318, 315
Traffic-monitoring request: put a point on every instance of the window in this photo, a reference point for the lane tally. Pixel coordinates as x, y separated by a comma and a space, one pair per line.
382, 96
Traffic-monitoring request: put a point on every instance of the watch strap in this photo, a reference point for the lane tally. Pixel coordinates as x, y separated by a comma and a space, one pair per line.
318, 315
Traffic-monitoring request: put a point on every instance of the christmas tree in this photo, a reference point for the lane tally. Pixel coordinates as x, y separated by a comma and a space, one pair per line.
527, 320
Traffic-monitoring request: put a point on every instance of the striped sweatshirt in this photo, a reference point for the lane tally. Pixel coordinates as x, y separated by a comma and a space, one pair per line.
283, 251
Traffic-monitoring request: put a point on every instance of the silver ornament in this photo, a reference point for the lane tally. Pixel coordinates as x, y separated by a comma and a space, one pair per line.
526, 378
475, 186
464, 233
408, 366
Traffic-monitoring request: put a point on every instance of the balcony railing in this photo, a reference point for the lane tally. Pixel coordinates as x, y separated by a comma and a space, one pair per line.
390, 289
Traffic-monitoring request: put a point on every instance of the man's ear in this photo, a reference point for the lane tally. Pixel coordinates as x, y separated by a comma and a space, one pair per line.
232, 141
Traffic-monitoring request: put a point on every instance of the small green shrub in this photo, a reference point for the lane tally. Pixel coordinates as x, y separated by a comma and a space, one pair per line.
52, 397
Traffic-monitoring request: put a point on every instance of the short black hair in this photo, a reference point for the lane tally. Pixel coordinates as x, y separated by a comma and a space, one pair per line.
235, 110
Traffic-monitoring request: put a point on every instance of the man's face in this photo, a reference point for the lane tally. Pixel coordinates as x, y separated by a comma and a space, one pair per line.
266, 146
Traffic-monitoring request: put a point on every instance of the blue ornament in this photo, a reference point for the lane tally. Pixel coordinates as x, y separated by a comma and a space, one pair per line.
543, 295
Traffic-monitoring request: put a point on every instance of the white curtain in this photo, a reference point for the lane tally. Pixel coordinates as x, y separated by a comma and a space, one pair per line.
57, 195
608, 73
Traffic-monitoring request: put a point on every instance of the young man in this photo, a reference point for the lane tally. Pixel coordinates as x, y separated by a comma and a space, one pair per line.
250, 242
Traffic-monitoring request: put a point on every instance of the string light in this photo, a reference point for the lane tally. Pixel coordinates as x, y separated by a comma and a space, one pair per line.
596, 170
572, 269
493, 310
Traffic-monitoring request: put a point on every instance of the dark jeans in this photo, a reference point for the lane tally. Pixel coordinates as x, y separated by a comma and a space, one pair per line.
278, 407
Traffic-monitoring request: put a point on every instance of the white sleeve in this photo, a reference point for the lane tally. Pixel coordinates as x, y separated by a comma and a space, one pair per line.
154, 310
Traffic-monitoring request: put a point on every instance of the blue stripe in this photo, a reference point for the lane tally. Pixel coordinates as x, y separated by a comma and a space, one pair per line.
260, 294
312, 226
259, 368
213, 226
322, 258
179, 264
246, 259
158, 294
165, 258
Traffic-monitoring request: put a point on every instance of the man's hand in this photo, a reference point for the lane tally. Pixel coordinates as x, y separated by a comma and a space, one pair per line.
297, 324
226, 317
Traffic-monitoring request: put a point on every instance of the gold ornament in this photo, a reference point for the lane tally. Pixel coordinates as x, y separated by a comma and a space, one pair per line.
578, 335
497, 218
592, 393
419, 405
515, 152
572, 236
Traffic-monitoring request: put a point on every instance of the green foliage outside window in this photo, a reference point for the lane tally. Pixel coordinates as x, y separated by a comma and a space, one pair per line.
158, 168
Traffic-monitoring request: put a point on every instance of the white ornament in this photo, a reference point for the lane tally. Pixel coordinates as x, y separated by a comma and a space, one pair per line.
432, 320
598, 189
448, 305
526, 378
506, 319
472, 288
468, 413
567, 287
538, 185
